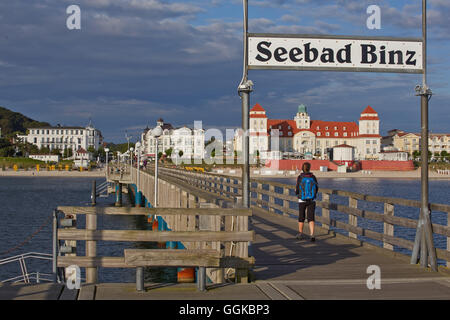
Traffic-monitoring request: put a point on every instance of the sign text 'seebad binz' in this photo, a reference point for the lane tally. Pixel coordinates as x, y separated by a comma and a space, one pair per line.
335, 53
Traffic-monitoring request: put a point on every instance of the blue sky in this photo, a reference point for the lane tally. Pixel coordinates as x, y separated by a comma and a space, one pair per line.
134, 61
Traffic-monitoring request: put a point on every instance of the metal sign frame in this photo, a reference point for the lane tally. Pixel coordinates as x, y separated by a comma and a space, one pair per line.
424, 234
338, 69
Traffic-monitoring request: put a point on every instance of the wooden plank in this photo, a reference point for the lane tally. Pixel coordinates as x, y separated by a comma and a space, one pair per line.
92, 262
155, 211
68, 294
180, 258
87, 292
286, 291
270, 292
145, 236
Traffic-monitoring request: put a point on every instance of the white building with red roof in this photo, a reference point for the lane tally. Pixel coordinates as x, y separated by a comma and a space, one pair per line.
303, 135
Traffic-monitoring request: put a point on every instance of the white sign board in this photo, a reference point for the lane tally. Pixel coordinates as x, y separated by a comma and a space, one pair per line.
335, 53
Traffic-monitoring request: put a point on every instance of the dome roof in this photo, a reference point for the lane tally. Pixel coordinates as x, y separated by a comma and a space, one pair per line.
302, 108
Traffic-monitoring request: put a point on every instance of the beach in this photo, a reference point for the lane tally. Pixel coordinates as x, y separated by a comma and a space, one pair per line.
44, 173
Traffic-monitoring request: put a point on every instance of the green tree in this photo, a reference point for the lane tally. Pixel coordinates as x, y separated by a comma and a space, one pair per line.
169, 152
7, 151
56, 151
44, 150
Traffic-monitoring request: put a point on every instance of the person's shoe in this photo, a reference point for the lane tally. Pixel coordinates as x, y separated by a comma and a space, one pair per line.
313, 239
299, 236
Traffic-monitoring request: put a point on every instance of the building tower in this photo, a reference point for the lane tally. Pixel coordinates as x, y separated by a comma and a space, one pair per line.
369, 123
302, 118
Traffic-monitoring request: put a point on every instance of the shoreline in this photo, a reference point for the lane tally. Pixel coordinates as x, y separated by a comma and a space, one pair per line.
61, 174
411, 175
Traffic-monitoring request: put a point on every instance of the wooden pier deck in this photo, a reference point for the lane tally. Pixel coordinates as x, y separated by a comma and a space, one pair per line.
333, 267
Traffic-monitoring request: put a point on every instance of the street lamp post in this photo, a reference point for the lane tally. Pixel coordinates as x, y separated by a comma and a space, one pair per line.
156, 133
107, 150
138, 151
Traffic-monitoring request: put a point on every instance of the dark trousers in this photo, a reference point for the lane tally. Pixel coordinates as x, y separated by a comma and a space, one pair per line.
307, 209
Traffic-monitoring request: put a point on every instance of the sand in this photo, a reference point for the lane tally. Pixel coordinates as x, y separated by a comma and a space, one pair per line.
43, 173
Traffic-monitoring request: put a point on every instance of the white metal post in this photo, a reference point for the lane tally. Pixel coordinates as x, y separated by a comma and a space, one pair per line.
156, 174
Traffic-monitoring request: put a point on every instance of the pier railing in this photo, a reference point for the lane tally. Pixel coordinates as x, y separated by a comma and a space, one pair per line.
359, 220
208, 235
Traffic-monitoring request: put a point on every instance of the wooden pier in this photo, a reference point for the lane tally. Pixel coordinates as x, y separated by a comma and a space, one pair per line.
275, 266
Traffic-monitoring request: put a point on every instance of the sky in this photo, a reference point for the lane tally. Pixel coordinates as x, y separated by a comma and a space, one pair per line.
134, 61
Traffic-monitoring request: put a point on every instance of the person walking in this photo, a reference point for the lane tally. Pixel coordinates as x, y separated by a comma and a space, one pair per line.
306, 189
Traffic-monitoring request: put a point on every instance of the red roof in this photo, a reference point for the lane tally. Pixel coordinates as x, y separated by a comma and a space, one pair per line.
257, 107
351, 128
369, 109
316, 126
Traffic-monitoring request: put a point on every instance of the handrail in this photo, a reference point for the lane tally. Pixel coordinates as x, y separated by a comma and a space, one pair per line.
218, 184
26, 276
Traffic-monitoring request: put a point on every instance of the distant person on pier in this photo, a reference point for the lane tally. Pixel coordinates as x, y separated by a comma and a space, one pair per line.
306, 189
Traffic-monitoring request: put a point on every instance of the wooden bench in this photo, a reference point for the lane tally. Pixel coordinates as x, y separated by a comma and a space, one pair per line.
201, 258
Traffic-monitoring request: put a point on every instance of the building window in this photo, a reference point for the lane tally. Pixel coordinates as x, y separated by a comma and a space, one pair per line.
327, 134
318, 134
345, 134
367, 141
335, 134
326, 128
374, 142
374, 151
335, 128
318, 127
345, 128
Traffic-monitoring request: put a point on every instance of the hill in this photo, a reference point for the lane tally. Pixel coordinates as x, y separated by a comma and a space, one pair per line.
12, 122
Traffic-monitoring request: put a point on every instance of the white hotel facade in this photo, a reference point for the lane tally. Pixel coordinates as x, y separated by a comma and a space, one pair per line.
190, 141
61, 138
303, 135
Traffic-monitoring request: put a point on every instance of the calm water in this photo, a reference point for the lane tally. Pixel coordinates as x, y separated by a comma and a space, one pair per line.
27, 203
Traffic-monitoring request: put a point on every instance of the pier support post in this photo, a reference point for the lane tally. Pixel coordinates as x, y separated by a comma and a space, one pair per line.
94, 193
201, 279
140, 278
55, 246
138, 198
118, 195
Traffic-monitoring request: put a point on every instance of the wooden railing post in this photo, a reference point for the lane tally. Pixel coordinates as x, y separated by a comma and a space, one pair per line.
325, 211
259, 194
271, 198
286, 203
448, 238
91, 248
388, 228
352, 220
